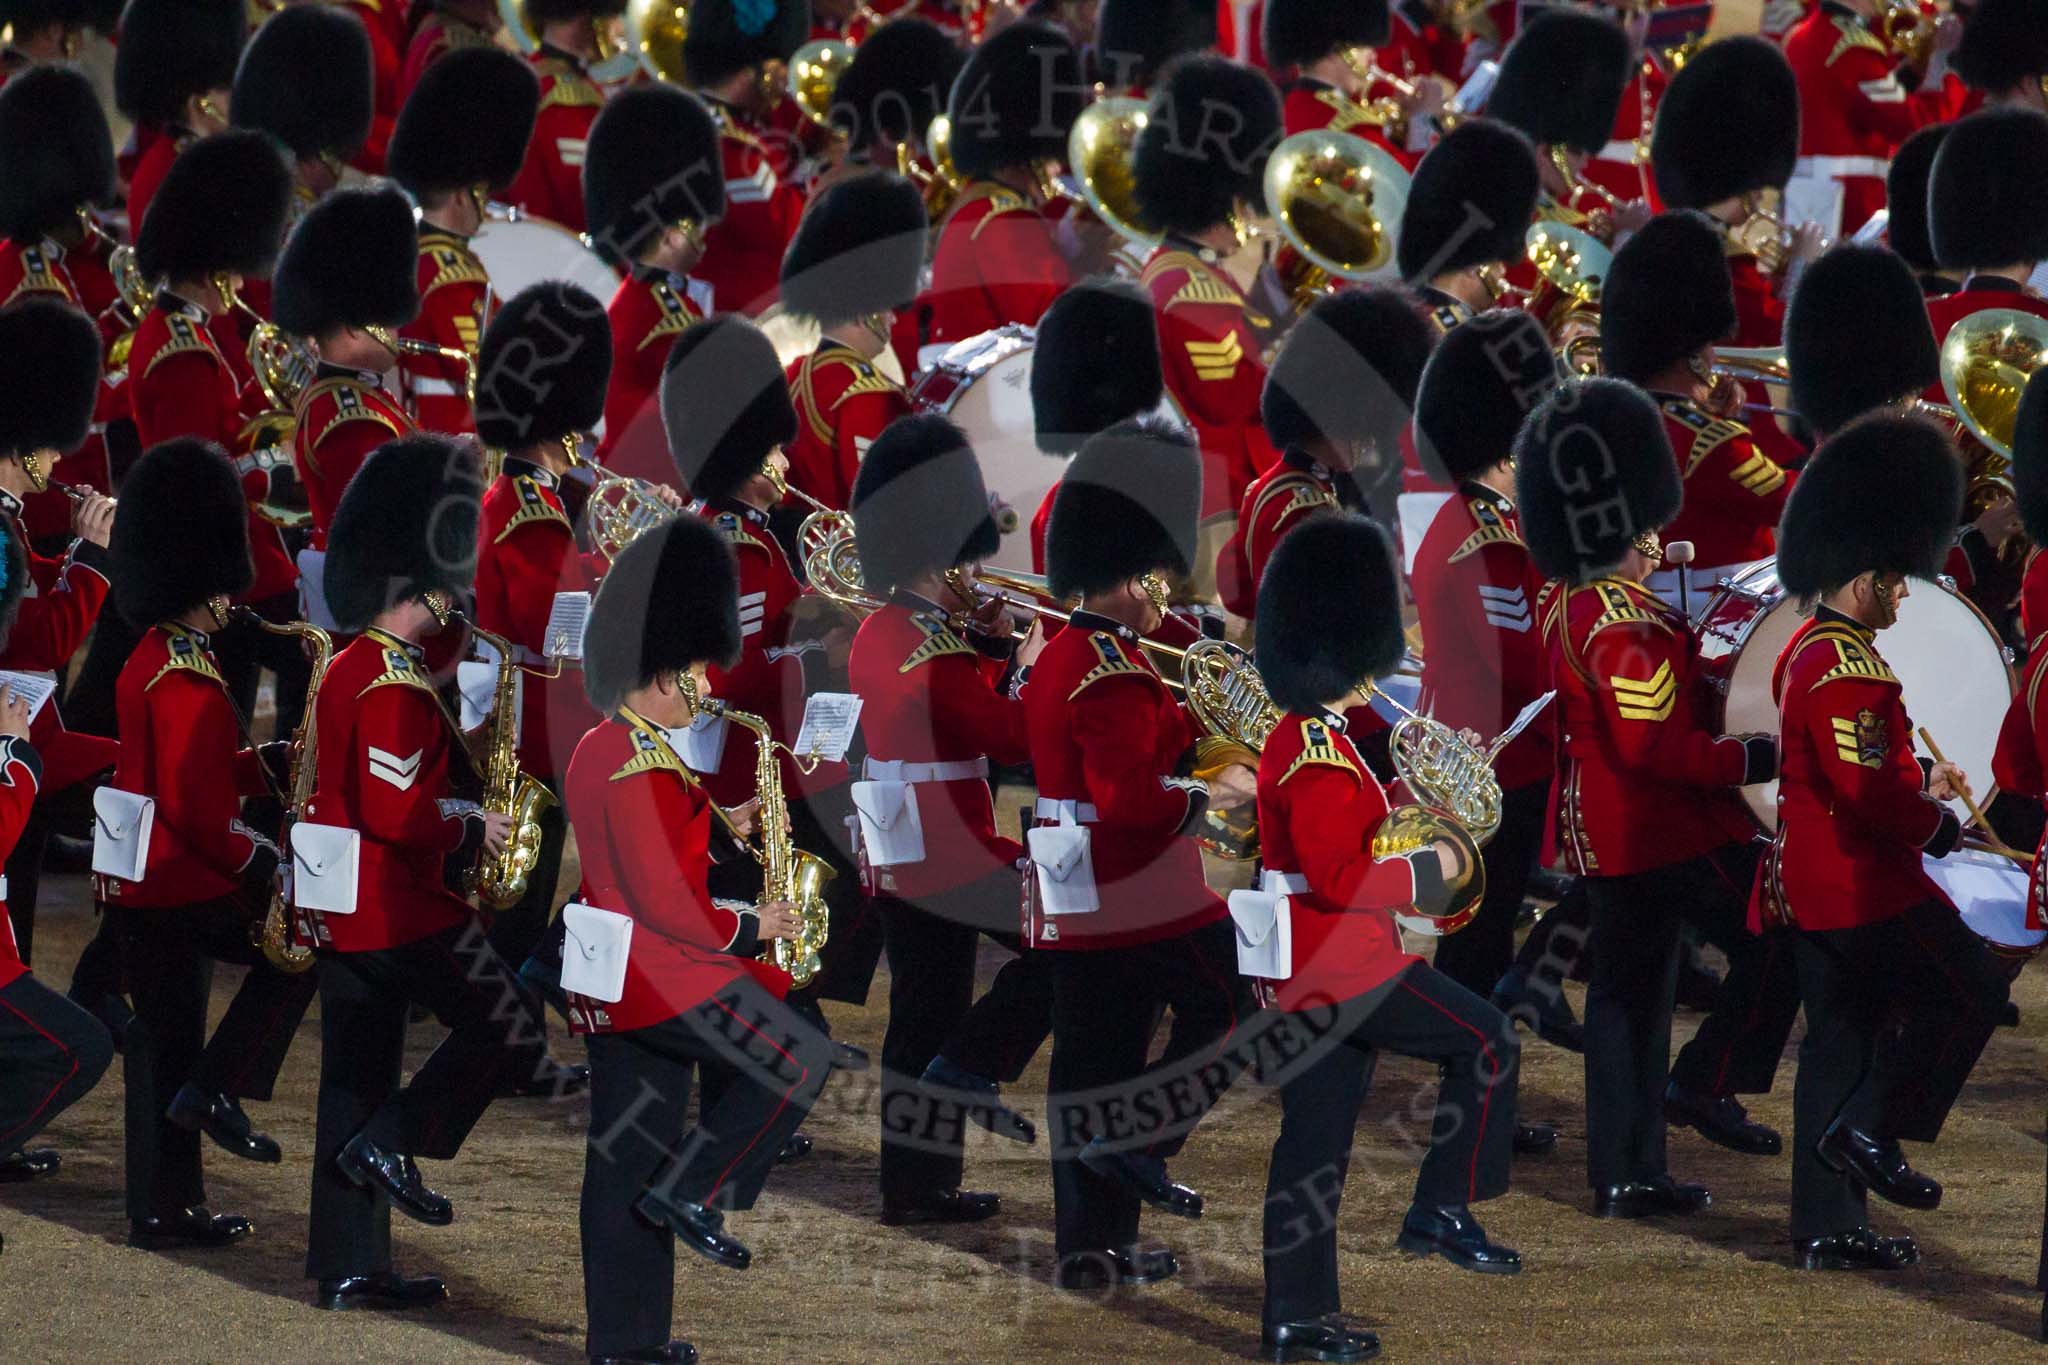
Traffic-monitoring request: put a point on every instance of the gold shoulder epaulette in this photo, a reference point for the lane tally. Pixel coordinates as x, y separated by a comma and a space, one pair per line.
401, 671
1854, 658
37, 277
1446, 316
454, 263
1110, 662
1349, 113
675, 315
867, 379
734, 530
1317, 747
1549, 210
652, 755
1301, 490
186, 337
939, 639
1709, 433
569, 90
1000, 202
1490, 531
348, 407
1854, 34
533, 506
1617, 606
186, 657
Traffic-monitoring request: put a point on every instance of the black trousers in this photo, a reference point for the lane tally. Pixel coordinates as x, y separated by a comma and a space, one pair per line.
89, 701
51, 1053
517, 930
169, 956
1896, 1016
1478, 955
1420, 1013
496, 1035
1105, 1006
245, 651
932, 943
1636, 922
639, 1091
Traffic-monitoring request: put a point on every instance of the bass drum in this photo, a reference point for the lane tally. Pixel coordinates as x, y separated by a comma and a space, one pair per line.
519, 252
1957, 677
983, 385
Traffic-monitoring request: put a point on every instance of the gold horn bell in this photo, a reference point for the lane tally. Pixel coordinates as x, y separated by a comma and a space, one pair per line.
814, 74
1099, 148
1986, 361
1337, 200
655, 30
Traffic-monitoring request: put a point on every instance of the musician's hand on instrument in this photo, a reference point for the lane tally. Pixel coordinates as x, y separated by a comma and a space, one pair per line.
744, 817
1948, 32
1426, 101
1808, 241
1235, 786
1472, 737
1631, 217
1034, 644
992, 618
1999, 521
1726, 397
1946, 782
497, 831
92, 518
668, 497
13, 714
779, 919
276, 758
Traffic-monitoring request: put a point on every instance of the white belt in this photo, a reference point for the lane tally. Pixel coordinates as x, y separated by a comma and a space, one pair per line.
1622, 150
1836, 167
426, 386
1283, 883
1080, 812
895, 770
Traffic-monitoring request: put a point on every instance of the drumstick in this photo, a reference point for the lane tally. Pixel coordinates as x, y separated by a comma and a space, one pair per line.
1992, 841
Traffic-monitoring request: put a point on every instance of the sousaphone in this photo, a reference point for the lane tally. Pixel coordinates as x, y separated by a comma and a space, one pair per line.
1337, 200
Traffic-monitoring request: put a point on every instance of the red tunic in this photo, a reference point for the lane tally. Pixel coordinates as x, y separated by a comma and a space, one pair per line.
385, 21
1106, 734
389, 760
21, 775
183, 747
151, 168
743, 250
1417, 45
437, 34
455, 302
1733, 491
2019, 764
80, 278
1483, 659
526, 553
643, 829
1210, 352
1279, 500
1853, 815
550, 184
929, 697
1319, 807
649, 311
1643, 780
1312, 105
843, 402
996, 262
49, 627
343, 415
1979, 292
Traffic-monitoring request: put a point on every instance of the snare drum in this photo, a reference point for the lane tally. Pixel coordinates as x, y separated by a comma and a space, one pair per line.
1956, 675
983, 385
519, 252
1991, 894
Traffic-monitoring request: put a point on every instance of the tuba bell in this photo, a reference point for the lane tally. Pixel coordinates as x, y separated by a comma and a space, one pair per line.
1337, 200
1986, 360
655, 30
814, 74
1575, 263
1099, 147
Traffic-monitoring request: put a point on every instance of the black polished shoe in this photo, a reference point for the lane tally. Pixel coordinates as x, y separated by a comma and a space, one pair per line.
1084, 1271
220, 1117
942, 1206
1720, 1119
1540, 1007
795, 1147
387, 1290
1534, 1139
193, 1227
1858, 1250
32, 1164
1330, 1338
847, 1057
1662, 1197
1450, 1231
364, 1162
1879, 1164
2009, 1015
699, 1228
675, 1353
553, 1080
1145, 1176
980, 1097
1699, 987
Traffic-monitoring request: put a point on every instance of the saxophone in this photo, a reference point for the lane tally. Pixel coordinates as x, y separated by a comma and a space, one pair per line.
273, 934
787, 872
501, 880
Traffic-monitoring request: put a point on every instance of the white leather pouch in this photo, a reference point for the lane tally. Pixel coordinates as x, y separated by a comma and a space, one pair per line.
325, 860
596, 944
889, 828
1265, 932
1065, 867
120, 833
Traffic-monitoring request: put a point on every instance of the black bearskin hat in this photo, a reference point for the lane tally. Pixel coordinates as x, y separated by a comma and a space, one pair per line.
56, 154
466, 123
2004, 43
1480, 385
181, 532
1015, 99
1728, 124
1135, 40
1095, 363
1479, 165
1187, 172
896, 84
353, 260
1302, 32
1562, 78
221, 206
2030, 461
670, 600
1667, 295
1348, 370
307, 79
1329, 612
858, 250
541, 13
50, 353
1857, 336
543, 367
1129, 504
724, 404
1593, 470
919, 503
652, 160
1905, 189
728, 36
171, 50
1980, 210
407, 524
1883, 494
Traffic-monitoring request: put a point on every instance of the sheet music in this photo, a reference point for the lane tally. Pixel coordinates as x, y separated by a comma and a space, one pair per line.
1522, 721
829, 721
566, 620
34, 688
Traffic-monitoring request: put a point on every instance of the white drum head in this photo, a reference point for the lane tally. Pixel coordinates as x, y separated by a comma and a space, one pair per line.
528, 251
1991, 893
